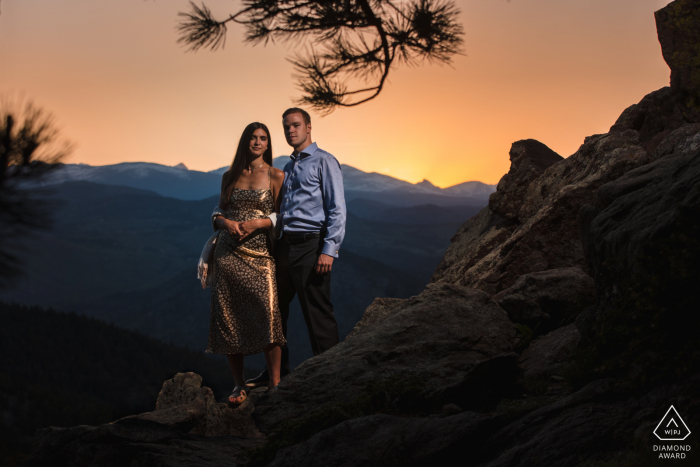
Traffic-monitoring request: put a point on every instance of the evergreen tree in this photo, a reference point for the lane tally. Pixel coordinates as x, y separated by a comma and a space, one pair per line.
30, 147
354, 41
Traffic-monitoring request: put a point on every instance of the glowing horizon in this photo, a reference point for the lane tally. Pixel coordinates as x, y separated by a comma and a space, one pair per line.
211, 170
124, 91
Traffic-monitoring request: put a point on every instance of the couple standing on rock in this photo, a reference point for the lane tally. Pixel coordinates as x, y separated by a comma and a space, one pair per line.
278, 233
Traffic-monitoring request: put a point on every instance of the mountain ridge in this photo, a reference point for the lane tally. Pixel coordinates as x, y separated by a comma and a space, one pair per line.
181, 183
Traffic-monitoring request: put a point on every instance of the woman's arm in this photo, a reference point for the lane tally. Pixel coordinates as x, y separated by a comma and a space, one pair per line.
232, 227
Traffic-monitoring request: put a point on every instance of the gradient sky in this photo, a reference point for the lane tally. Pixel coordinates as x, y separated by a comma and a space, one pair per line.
123, 90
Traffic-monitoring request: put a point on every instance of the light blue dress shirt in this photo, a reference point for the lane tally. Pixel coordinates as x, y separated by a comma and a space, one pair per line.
313, 198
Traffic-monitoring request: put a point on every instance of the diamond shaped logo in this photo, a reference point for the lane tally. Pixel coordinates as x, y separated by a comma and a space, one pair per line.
672, 427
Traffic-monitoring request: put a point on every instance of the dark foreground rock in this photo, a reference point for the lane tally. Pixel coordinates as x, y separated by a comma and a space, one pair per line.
385, 440
435, 338
544, 361
591, 424
135, 442
548, 299
639, 207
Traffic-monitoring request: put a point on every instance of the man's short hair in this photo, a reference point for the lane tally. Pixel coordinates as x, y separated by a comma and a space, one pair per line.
294, 110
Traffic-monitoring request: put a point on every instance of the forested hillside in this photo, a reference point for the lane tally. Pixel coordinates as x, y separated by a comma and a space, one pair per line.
128, 256
62, 369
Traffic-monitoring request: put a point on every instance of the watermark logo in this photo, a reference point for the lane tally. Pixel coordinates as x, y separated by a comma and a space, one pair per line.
672, 427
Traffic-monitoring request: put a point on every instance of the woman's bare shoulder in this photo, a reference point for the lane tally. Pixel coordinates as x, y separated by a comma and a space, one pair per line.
277, 174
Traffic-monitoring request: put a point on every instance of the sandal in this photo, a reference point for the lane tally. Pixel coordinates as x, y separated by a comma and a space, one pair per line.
237, 396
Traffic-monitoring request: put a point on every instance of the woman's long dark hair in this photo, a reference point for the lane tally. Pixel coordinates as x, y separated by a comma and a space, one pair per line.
240, 159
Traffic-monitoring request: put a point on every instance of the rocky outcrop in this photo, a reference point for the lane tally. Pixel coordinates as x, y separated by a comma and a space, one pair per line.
183, 404
483, 233
548, 299
678, 26
528, 159
435, 338
547, 236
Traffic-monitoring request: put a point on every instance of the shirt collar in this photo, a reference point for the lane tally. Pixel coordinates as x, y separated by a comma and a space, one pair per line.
309, 151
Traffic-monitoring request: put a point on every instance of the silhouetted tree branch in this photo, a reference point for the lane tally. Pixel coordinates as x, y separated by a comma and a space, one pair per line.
353, 40
30, 147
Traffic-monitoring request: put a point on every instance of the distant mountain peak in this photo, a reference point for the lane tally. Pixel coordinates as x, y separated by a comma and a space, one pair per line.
181, 183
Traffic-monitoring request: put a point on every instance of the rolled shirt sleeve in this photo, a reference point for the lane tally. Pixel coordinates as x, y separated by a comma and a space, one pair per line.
333, 205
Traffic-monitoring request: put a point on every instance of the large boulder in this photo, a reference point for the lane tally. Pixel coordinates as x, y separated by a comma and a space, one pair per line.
548, 299
435, 338
678, 27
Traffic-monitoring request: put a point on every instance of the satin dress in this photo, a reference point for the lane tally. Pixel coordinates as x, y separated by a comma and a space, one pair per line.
245, 315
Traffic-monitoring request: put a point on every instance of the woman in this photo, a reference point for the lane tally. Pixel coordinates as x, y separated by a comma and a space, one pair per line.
245, 317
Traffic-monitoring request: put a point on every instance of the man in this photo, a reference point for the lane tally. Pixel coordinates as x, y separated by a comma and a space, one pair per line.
312, 218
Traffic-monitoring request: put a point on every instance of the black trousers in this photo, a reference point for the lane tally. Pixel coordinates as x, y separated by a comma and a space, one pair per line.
296, 276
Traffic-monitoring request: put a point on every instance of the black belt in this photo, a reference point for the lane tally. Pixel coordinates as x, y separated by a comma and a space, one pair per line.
295, 239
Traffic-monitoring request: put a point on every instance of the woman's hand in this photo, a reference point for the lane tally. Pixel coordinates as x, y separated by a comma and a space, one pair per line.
233, 228
248, 227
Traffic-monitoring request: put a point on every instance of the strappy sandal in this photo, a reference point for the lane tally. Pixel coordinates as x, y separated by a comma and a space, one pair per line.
237, 396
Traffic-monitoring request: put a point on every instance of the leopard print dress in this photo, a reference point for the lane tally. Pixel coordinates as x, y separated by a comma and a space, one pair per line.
245, 316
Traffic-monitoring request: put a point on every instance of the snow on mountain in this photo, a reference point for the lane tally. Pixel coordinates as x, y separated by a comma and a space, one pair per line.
179, 182
475, 189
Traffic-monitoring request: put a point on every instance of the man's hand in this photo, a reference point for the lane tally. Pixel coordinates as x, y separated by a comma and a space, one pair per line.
324, 264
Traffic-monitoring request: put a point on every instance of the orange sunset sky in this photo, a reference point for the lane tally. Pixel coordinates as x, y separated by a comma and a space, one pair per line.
123, 90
